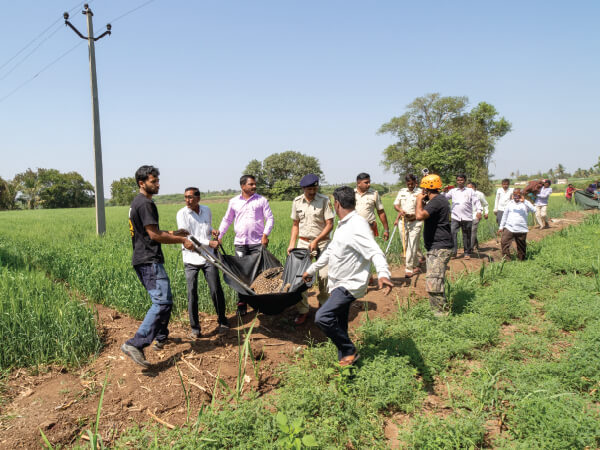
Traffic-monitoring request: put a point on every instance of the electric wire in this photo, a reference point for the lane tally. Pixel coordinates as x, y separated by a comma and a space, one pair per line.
40, 35
131, 11
29, 54
43, 69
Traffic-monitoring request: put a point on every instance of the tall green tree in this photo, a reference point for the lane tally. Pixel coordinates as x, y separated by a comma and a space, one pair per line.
443, 135
49, 188
8, 194
278, 175
29, 185
123, 191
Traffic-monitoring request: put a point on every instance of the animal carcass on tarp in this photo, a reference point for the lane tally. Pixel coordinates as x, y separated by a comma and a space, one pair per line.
586, 200
247, 268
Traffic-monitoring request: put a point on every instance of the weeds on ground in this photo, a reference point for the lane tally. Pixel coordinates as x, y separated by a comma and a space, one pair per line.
457, 431
540, 393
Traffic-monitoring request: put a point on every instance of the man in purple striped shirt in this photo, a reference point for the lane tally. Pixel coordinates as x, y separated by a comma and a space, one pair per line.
253, 222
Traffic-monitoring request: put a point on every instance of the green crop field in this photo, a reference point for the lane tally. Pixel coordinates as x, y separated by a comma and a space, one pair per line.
40, 321
516, 362
62, 244
516, 365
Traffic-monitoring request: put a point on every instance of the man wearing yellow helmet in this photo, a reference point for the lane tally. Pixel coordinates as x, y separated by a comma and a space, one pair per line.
434, 210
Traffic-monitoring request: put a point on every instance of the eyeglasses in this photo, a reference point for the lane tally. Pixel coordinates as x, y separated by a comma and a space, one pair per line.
190, 197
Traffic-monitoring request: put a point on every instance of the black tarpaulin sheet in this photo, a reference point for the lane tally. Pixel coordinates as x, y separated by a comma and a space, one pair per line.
248, 267
586, 200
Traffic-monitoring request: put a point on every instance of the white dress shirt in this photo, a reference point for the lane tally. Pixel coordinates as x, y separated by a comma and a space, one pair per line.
200, 226
502, 199
484, 204
349, 256
465, 204
542, 198
514, 218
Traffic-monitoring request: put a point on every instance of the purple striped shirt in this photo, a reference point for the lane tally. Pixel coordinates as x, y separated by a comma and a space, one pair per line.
251, 218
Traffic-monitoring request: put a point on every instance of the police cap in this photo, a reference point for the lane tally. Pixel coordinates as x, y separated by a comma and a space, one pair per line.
309, 180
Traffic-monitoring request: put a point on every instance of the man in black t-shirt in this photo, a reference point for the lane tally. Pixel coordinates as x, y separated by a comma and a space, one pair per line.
434, 209
148, 262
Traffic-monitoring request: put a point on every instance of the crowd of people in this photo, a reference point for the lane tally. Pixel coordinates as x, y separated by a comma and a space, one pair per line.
341, 264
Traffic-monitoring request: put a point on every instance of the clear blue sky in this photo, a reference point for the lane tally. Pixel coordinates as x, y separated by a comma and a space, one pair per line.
200, 88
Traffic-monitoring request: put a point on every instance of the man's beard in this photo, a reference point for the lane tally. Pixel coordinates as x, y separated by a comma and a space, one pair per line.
151, 189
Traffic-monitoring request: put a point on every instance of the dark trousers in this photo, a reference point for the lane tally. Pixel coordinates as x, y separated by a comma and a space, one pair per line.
499, 215
465, 226
155, 324
332, 318
247, 249
519, 238
211, 275
243, 250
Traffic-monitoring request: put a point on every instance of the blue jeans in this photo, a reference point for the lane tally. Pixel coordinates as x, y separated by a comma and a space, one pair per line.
332, 318
155, 324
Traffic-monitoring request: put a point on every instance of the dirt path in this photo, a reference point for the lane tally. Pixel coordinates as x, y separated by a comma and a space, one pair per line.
63, 403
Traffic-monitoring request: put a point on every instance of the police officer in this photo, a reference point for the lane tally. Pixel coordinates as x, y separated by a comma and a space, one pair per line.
405, 204
313, 221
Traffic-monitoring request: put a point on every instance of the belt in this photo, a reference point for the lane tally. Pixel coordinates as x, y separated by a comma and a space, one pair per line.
305, 239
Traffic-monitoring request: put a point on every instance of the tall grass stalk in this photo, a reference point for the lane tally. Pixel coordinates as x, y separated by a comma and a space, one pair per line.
95, 438
185, 392
244, 353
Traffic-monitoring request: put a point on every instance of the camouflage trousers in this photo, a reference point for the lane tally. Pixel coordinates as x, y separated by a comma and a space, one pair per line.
437, 263
322, 296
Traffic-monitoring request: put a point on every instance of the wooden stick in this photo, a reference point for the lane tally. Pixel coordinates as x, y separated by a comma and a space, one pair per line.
403, 239
195, 384
191, 365
162, 422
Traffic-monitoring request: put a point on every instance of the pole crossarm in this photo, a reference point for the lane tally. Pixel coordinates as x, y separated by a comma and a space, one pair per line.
89, 11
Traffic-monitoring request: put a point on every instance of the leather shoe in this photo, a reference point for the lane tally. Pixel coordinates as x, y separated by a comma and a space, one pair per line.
195, 334
349, 360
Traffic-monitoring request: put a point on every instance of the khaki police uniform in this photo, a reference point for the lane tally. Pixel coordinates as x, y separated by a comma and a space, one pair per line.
407, 201
367, 204
312, 217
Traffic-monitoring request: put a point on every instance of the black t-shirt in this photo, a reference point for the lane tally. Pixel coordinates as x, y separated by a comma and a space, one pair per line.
143, 212
436, 230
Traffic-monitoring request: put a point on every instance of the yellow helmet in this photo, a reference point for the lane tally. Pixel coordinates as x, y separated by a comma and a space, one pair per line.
431, 182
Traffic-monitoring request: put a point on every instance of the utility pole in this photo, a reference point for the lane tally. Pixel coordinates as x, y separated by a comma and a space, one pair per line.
100, 216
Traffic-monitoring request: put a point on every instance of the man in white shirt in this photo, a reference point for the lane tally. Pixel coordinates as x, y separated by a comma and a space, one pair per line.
349, 256
486, 210
405, 204
464, 204
514, 225
541, 203
503, 196
197, 219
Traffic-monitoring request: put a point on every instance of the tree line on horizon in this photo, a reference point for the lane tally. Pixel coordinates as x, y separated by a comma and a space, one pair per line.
439, 133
